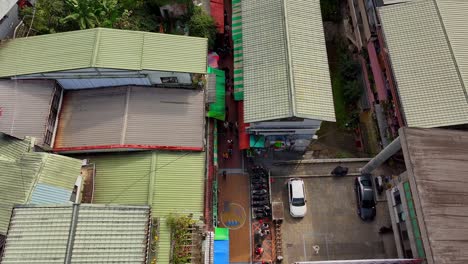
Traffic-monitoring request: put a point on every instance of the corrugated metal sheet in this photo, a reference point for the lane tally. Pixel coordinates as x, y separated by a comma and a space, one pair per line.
37, 235
309, 64
211, 88
430, 89
25, 107
122, 178
102, 82
47, 194
103, 234
178, 184
91, 117
285, 63
105, 48
266, 77
165, 117
111, 234
455, 20
11, 148
21, 171
180, 53
131, 116
47, 53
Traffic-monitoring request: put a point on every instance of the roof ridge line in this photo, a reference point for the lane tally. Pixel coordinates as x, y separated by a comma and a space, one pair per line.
291, 90
97, 41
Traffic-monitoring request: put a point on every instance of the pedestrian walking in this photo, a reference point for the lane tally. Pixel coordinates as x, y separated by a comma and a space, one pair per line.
230, 143
230, 152
224, 175
225, 155
226, 125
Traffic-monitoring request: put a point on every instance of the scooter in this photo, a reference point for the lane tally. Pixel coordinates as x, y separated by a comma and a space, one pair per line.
260, 203
261, 191
259, 180
260, 198
259, 186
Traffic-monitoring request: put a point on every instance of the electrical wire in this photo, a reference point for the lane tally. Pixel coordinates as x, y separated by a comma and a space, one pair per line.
144, 176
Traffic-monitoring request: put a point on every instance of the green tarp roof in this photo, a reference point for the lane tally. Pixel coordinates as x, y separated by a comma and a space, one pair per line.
103, 48
218, 108
221, 233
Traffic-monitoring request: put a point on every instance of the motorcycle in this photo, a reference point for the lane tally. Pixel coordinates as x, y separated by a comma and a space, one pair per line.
260, 198
259, 186
261, 191
260, 203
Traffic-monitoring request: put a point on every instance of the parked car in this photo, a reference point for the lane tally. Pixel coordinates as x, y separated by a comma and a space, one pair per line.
297, 199
365, 197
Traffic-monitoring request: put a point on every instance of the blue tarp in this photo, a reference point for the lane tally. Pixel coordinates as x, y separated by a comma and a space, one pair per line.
221, 252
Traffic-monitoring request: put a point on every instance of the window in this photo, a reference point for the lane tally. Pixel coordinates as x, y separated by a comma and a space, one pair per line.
298, 201
53, 114
169, 80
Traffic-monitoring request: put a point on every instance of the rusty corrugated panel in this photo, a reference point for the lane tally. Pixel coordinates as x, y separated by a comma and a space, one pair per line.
91, 117
25, 107
136, 118
165, 117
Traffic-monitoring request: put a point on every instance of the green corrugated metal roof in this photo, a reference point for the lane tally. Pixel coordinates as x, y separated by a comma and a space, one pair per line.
427, 44
177, 180
285, 66
103, 48
23, 170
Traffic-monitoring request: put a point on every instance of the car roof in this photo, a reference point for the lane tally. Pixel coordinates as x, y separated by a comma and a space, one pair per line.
367, 194
297, 188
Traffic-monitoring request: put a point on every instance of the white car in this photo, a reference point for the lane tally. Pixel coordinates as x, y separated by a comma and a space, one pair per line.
297, 199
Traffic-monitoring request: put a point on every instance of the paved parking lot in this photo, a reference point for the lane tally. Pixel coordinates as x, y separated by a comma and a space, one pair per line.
331, 223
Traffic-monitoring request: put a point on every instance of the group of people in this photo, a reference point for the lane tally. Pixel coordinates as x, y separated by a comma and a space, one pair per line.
230, 146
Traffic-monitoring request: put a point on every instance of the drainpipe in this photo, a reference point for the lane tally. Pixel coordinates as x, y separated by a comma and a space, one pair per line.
383, 156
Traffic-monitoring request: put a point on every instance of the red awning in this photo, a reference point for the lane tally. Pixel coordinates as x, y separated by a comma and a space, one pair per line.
244, 139
217, 12
377, 72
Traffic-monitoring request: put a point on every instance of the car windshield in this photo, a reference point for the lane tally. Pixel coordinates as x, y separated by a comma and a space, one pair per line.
298, 202
366, 183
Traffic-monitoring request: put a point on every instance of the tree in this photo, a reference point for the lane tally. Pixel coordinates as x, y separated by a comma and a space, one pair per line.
202, 25
47, 15
85, 14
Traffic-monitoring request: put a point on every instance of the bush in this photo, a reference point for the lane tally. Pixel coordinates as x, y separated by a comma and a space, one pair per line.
202, 25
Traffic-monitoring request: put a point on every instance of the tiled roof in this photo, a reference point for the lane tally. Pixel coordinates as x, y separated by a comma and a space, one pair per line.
426, 42
285, 62
103, 48
97, 234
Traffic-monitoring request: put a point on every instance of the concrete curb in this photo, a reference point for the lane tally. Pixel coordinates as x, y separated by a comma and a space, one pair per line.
316, 161
315, 176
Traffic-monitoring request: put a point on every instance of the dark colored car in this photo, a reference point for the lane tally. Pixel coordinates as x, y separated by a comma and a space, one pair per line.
365, 198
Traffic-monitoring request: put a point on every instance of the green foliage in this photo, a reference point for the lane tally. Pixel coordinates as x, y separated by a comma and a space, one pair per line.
202, 25
137, 20
47, 16
349, 68
330, 10
85, 14
181, 235
352, 92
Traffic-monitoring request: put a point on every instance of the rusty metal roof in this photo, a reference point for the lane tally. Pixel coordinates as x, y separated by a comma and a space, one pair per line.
131, 118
